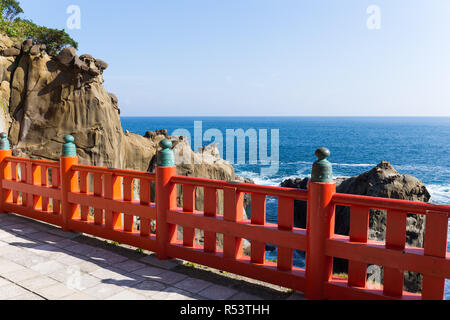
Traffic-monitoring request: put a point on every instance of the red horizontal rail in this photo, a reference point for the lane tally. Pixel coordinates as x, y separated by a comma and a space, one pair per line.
269, 191
375, 252
267, 272
130, 207
32, 213
43, 191
388, 204
338, 289
295, 239
133, 238
117, 172
113, 196
44, 163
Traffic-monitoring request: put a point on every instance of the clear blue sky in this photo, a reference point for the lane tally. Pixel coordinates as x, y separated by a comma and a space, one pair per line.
265, 57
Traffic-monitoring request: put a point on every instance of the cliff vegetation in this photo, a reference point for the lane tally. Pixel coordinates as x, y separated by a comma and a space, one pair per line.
21, 29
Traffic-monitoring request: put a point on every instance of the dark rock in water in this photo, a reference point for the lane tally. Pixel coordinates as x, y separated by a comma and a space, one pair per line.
300, 207
151, 134
382, 181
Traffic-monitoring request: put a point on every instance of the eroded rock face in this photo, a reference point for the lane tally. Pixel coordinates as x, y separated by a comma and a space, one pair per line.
50, 97
49, 100
382, 181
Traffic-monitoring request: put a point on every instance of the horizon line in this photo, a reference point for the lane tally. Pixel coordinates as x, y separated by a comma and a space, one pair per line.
284, 116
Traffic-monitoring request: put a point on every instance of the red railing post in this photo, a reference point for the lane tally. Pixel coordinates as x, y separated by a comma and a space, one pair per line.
5, 170
166, 198
69, 181
320, 226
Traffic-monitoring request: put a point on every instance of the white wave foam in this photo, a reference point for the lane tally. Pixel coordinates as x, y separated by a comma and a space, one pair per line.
363, 165
274, 181
439, 193
261, 180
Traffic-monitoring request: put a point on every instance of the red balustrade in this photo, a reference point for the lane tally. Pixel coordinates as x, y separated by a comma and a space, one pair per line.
101, 202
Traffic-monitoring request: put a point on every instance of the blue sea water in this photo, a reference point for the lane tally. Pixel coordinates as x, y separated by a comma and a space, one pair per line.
417, 146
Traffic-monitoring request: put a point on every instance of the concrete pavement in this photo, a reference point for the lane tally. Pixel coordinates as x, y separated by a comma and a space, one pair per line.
40, 262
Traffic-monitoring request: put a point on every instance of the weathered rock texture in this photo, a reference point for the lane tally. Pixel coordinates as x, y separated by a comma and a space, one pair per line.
48, 97
45, 98
382, 181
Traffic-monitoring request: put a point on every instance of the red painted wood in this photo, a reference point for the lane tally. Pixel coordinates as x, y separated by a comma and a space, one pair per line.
98, 192
295, 239
318, 240
32, 189
258, 249
128, 219
285, 223
84, 190
233, 212
375, 252
33, 214
395, 239
113, 191
188, 207
26, 179
44, 183
268, 272
436, 235
144, 195
134, 207
166, 198
359, 232
14, 177
337, 289
269, 191
69, 183
56, 184
210, 207
5, 174
130, 238
387, 204
320, 227
36, 180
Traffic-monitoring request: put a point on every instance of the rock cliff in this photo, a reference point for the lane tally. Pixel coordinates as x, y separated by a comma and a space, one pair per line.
382, 181
46, 97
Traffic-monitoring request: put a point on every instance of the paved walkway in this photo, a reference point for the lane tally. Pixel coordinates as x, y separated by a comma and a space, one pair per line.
40, 262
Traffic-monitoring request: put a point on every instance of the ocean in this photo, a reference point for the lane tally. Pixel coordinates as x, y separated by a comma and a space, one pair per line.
416, 146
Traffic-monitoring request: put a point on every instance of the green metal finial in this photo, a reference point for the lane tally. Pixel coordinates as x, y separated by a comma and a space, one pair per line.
166, 157
322, 169
4, 142
69, 148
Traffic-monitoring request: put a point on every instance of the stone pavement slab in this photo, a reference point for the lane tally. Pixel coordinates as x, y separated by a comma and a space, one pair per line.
40, 262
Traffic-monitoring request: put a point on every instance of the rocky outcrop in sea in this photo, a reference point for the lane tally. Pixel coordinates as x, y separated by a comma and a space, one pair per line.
382, 181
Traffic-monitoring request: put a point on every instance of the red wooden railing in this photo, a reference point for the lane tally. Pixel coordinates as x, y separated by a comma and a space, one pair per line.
66, 202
